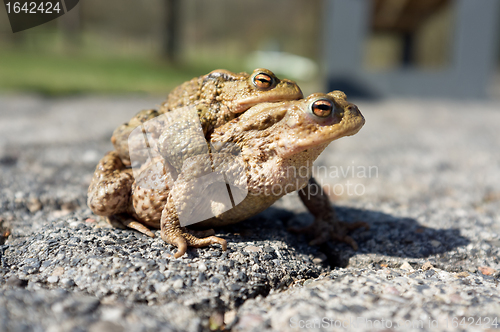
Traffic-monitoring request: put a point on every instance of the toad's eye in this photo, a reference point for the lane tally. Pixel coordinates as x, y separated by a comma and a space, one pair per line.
322, 107
263, 81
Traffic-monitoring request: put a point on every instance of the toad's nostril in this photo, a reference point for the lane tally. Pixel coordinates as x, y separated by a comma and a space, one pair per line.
353, 109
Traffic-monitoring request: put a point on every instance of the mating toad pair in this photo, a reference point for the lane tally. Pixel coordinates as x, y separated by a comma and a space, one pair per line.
253, 131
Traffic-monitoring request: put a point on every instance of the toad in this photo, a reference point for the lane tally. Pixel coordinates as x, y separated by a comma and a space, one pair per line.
257, 155
218, 96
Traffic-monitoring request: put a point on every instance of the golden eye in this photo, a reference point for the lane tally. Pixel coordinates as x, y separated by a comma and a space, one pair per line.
322, 108
263, 81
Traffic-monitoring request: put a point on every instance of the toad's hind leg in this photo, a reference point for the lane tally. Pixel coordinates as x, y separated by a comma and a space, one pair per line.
173, 233
109, 190
121, 221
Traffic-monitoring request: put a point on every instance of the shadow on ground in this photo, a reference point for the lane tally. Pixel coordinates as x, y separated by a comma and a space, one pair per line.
388, 235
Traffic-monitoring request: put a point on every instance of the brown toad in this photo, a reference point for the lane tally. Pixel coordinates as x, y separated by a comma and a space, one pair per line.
258, 152
218, 96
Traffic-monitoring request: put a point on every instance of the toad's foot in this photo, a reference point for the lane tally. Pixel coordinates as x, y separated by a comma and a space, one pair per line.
324, 230
181, 237
121, 221
203, 233
326, 226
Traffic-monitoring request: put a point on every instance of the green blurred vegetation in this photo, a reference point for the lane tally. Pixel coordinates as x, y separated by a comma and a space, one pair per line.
56, 74
50, 71
118, 46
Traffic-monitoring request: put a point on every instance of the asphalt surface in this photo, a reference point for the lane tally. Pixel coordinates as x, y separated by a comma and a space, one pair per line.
425, 174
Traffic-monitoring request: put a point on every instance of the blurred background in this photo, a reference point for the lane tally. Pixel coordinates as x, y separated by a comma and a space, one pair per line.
370, 48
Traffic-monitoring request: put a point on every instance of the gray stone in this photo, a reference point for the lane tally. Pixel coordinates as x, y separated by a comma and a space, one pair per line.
60, 272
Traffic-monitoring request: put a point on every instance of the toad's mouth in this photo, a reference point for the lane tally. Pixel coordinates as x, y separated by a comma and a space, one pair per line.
290, 92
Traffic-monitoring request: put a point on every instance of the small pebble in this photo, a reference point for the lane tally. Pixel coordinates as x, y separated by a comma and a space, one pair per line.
427, 266
435, 243
406, 266
252, 249
317, 260
52, 279
178, 284
488, 271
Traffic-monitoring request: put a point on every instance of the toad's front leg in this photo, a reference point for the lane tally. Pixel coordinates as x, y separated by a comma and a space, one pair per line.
181, 237
326, 225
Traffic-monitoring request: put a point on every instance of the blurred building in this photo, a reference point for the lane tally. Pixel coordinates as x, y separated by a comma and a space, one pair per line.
424, 48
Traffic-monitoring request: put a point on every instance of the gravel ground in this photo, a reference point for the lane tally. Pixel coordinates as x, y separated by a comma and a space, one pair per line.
424, 174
